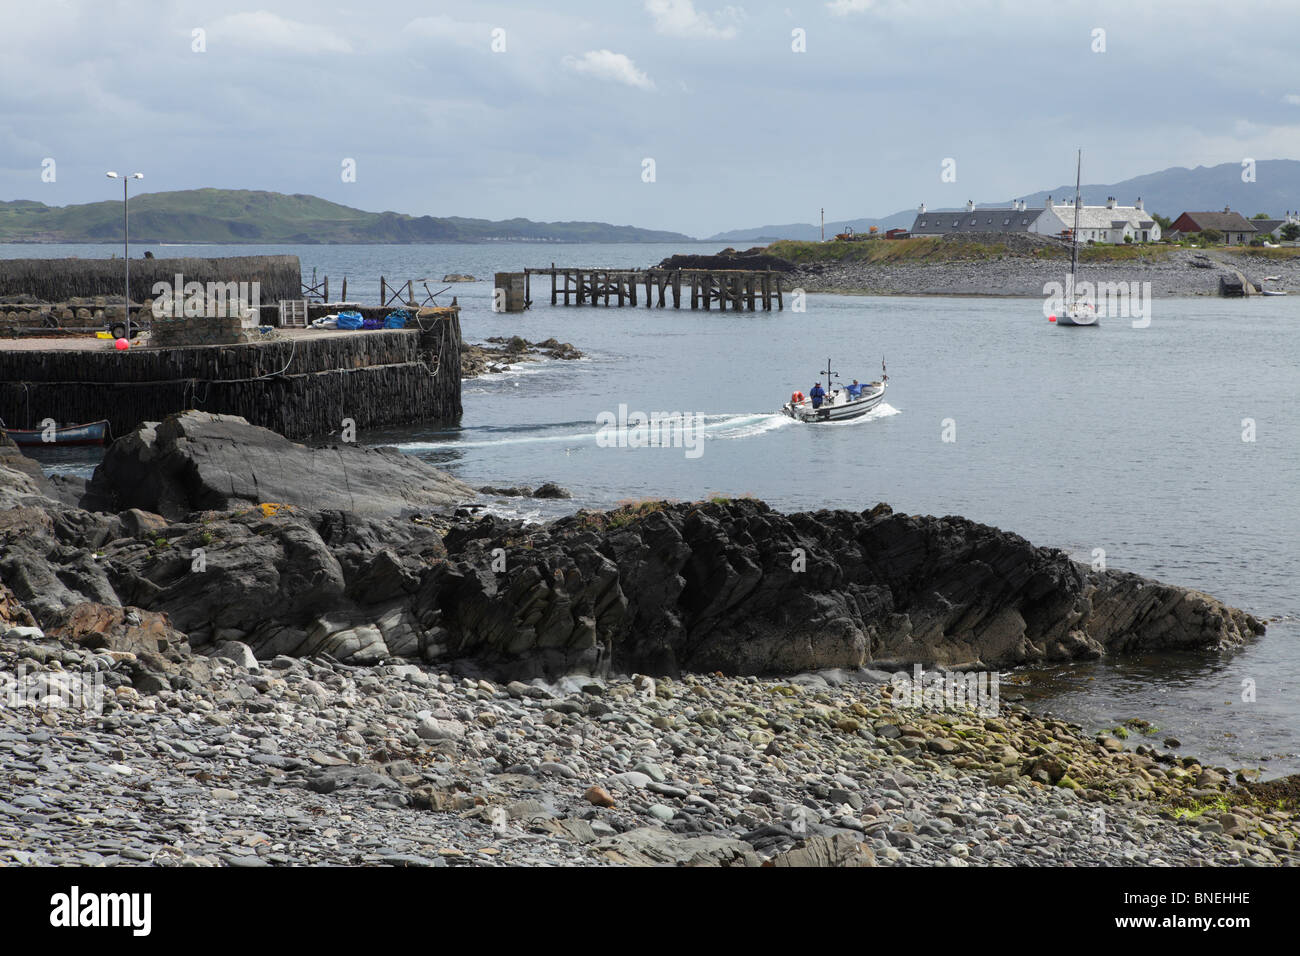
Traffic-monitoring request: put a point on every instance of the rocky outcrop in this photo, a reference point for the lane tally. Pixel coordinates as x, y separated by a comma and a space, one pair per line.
12, 612
237, 535
651, 846
21, 479
195, 461
741, 588
503, 352
755, 258
547, 490
656, 588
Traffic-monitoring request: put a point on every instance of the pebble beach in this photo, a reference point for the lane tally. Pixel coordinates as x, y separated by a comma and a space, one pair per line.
310, 762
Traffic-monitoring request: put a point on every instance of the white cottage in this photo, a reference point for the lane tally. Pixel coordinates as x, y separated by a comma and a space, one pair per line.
1108, 223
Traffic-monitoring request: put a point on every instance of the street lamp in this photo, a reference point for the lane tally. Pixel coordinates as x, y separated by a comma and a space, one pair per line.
126, 250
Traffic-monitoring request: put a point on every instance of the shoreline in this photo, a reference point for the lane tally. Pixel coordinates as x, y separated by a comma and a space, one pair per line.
876, 293
1012, 265
414, 705
1018, 276
308, 761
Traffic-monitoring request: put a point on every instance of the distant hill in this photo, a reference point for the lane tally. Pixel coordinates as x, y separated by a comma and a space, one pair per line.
1176, 190
793, 230
810, 233
241, 215
1169, 192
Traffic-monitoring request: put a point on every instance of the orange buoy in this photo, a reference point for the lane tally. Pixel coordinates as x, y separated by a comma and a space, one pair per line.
121, 345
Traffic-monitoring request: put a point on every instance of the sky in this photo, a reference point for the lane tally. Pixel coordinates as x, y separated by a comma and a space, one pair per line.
688, 115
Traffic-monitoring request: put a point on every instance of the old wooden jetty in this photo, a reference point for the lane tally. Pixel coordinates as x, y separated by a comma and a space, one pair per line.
735, 289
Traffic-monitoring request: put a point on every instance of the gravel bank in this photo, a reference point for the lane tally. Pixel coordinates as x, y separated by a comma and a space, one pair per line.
1017, 275
308, 761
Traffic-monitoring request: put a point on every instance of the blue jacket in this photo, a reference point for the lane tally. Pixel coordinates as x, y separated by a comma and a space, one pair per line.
817, 394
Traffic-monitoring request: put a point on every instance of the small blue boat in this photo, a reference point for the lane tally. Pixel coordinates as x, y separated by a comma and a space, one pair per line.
92, 433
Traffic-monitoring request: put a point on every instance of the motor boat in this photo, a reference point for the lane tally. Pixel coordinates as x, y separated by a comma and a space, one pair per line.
839, 403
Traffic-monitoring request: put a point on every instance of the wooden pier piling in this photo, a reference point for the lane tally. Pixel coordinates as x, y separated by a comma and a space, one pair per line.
737, 290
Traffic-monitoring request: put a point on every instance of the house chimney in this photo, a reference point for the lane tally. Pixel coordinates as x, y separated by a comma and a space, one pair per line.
1048, 203
1227, 209
1110, 202
922, 208
1138, 204
970, 205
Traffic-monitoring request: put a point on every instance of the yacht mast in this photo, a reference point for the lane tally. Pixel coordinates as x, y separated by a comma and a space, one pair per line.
1074, 236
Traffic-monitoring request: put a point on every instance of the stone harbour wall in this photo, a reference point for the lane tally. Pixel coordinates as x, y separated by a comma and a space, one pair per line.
299, 387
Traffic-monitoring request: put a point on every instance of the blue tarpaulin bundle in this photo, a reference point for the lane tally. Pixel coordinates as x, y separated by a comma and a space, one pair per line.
350, 320
397, 319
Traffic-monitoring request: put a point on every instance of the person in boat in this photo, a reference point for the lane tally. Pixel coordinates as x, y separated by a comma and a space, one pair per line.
854, 390
796, 398
817, 394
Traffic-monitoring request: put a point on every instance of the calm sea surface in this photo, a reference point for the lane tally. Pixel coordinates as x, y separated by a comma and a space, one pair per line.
1114, 438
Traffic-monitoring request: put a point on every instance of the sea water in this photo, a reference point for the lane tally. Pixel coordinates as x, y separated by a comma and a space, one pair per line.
1171, 450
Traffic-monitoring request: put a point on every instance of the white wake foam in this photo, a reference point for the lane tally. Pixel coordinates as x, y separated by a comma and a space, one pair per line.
744, 426
575, 437
883, 410
726, 427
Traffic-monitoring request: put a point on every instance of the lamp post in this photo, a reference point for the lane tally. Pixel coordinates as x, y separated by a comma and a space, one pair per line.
126, 249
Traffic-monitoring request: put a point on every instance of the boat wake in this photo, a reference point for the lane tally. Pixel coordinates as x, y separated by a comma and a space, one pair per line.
727, 427
493, 437
722, 427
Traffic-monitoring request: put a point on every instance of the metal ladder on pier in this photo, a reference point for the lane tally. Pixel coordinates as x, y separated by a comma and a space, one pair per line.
293, 313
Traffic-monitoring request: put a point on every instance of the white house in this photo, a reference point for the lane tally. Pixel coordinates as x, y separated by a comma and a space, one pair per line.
1108, 223
1272, 228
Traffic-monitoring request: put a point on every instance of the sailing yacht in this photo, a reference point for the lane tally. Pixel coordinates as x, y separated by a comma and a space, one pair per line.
1076, 310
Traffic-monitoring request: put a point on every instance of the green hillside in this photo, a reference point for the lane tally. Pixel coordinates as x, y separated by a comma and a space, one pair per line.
243, 215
